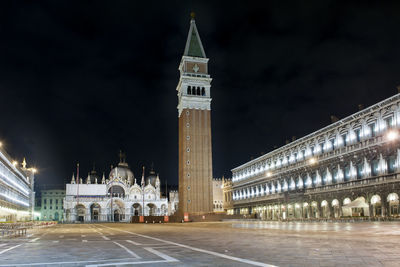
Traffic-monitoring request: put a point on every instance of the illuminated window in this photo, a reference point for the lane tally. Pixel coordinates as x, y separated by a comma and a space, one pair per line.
389, 122
344, 137
372, 129
332, 141
358, 134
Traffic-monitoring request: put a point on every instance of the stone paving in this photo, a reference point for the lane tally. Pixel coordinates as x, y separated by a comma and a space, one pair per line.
207, 244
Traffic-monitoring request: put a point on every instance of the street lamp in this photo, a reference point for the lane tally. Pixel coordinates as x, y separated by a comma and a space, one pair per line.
312, 161
392, 135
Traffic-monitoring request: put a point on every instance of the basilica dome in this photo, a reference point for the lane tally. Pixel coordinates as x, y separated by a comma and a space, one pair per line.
122, 171
151, 179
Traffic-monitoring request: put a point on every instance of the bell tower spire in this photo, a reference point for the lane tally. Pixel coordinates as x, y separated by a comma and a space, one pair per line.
194, 114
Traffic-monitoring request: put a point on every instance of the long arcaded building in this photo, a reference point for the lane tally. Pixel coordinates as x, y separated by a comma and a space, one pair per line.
17, 197
349, 168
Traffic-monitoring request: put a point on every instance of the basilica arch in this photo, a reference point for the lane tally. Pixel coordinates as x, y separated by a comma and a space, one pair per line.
116, 207
136, 209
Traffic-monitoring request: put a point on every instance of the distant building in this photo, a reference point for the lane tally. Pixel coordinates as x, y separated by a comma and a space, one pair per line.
228, 196
348, 168
17, 198
52, 205
218, 195
173, 202
115, 198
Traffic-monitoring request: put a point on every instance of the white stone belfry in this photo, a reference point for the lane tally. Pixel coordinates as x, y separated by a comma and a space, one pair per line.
194, 82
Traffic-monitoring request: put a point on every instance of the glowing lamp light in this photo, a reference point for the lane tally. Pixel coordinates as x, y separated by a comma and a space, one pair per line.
15, 163
1, 144
312, 161
35, 171
392, 135
269, 174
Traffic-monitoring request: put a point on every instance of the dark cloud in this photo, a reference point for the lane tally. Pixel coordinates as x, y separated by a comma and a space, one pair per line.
81, 80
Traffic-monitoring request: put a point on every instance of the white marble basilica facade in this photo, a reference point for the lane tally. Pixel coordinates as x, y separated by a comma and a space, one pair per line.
115, 198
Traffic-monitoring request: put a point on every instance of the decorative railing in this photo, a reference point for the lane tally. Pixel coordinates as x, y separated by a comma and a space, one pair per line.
293, 167
376, 180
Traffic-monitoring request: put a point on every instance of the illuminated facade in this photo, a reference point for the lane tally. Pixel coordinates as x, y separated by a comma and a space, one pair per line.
227, 196
52, 208
17, 197
349, 168
219, 198
117, 198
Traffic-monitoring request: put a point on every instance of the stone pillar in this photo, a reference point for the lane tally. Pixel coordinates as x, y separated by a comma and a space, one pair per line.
331, 212
87, 215
385, 207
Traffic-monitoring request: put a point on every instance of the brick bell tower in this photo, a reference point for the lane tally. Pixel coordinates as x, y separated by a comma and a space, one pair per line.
194, 112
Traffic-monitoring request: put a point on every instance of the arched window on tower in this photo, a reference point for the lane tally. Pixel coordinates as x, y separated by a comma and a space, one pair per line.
189, 90
203, 91
198, 90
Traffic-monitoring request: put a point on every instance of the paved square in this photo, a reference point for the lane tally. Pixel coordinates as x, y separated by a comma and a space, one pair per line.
207, 244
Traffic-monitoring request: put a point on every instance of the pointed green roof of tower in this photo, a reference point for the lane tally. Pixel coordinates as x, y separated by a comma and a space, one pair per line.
194, 47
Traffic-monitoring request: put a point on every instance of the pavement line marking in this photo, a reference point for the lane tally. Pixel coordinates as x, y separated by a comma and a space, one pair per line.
255, 263
8, 249
162, 247
105, 238
161, 255
84, 240
127, 250
62, 262
133, 242
61, 236
83, 235
35, 239
126, 263
56, 241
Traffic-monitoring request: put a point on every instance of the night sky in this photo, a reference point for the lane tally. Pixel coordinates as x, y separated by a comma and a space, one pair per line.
81, 80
